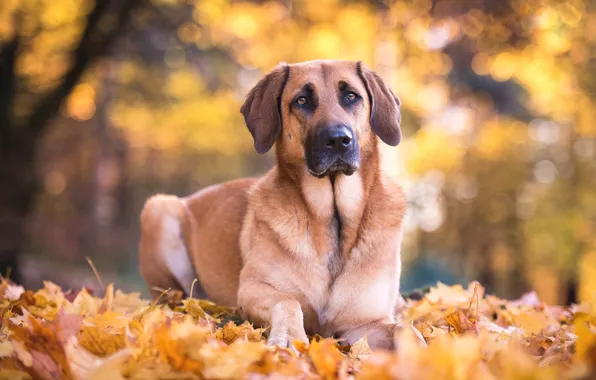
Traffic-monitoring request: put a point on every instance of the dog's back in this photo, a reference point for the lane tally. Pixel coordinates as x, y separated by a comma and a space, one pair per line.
200, 232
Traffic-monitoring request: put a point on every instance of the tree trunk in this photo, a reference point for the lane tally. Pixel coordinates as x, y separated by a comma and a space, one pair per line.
19, 138
17, 193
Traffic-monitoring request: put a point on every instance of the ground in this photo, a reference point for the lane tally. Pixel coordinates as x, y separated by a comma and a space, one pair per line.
451, 332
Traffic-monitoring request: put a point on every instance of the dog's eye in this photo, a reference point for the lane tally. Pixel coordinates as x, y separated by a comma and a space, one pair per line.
301, 101
351, 96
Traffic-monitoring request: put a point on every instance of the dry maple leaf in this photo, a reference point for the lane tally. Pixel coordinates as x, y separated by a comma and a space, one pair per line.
126, 337
585, 328
229, 362
104, 334
461, 323
325, 357
230, 332
179, 344
380, 366
193, 308
44, 342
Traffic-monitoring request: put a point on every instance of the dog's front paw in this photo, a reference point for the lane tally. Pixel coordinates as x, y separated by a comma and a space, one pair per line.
279, 341
288, 340
287, 325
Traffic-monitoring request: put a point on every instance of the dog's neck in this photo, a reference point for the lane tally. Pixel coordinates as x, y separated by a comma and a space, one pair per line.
335, 203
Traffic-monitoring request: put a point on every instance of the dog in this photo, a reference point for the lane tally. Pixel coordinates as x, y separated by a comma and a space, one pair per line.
313, 246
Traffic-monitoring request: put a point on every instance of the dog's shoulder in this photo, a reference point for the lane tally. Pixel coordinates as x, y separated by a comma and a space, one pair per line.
270, 191
389, 201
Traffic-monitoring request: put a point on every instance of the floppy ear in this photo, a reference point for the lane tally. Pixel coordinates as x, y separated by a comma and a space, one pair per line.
262, 108
385, 116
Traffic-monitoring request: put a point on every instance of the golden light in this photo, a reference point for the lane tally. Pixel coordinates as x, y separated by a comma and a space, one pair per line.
587, 266
326, 43
184, 84
208, 12
503, 67
481, 64
242, 23
80, 105
59, 13
258, 55
554, 42
546, 18
570, 13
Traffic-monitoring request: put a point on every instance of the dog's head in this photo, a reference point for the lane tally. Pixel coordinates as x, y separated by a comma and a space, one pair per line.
323, 113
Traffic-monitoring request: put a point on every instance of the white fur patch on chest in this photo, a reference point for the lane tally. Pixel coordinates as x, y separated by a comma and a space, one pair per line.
348, 195
318, 193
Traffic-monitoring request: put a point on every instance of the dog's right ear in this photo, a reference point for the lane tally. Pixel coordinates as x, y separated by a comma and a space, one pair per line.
385, 116
262, 108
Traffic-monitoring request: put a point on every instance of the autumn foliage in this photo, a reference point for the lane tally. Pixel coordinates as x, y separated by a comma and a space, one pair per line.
451, 333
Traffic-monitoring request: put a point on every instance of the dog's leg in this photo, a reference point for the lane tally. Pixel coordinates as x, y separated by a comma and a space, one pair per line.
164, 259
265, 305
369, 310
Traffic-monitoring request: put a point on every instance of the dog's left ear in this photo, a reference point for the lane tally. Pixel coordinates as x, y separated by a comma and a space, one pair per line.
261, 110
385, 117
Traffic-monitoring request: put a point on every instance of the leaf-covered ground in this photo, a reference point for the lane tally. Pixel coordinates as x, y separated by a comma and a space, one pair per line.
450, 333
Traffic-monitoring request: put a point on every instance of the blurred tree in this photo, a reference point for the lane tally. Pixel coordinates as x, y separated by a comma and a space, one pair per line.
26, 109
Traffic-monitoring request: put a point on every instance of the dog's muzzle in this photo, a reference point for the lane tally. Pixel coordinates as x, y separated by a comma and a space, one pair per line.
332, 149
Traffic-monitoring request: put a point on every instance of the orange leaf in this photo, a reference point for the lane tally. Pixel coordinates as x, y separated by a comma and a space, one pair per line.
326, 357
461, 323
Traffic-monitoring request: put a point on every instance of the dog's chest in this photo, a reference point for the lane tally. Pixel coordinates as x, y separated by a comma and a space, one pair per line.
323, 276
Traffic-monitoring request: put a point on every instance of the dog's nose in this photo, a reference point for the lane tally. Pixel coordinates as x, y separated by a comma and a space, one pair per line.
338, 138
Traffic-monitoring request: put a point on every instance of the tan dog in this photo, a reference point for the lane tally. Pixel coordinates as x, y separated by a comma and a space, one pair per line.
314, 245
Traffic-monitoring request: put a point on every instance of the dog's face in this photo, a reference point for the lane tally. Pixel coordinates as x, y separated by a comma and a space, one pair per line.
322, 113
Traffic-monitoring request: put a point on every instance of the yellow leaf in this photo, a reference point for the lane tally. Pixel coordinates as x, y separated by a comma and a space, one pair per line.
104, 333
6, 348
326, 357
532, 321
585, 329
22, 353
380, 366
461, 323
360, 349
109, 368
84, 304
230, 333
214, 309
14, 375
193, 308
179, 342
231, 362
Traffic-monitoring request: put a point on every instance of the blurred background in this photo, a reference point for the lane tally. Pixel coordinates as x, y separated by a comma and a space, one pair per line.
103, 103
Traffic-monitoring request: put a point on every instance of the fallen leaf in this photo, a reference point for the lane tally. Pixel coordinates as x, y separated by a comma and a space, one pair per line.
193, 308
461, 323
50, 334
325, 357
360, 349
6, 348
14, 375
179, 344
24, 356
13, 292
231, 362
104, 334
230, 333
419, 335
